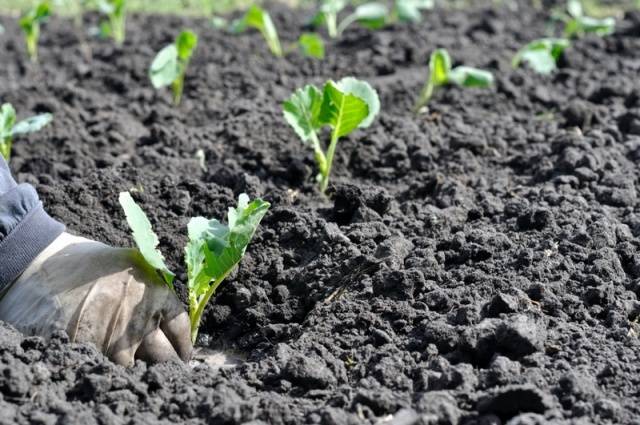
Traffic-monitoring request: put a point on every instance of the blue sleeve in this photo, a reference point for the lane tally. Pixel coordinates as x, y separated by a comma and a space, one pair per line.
25, 228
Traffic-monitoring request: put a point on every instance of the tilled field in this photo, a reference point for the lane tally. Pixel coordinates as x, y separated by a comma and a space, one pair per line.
478, 264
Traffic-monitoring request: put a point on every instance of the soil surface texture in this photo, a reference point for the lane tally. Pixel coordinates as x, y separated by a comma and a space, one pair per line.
476, 264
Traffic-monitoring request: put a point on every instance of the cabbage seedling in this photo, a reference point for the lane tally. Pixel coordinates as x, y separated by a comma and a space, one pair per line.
370, 15
30, 24
311, 45
10, 129
441, 74
541, 55
342, 106
259, 19
577, 24
115, 26
213, 251
170, 64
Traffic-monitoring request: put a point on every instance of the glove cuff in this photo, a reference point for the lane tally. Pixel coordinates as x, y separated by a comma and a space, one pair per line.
25, 242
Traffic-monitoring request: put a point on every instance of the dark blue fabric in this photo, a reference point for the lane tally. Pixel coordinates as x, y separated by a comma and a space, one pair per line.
25, 228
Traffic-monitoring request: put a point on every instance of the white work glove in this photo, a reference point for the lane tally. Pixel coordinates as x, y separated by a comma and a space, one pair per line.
102, 295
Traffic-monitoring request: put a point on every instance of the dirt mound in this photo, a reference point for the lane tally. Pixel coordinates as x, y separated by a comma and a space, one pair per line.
478, 264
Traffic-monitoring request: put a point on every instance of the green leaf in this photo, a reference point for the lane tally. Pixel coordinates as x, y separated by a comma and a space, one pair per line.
312, 45
372, 15
164, 68
439, 67
342, 111
541, 55
302, 110
364, 91
259, 19
466, 76
32, 124
410, 10
144, 237
333, 6
601, 27
185, 44
574, 8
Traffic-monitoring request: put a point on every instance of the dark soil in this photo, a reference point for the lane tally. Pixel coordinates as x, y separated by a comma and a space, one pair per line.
478, 264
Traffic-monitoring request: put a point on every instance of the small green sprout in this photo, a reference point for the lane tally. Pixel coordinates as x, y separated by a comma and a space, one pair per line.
10, 129
410, 10
311, 45
115, 26
541, 55
370, 15
577, 24
30, 24
441, 74
170, 64
343, 106
213, 251
259, 19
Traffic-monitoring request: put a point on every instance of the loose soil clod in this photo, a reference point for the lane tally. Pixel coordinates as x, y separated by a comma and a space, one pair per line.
479, 264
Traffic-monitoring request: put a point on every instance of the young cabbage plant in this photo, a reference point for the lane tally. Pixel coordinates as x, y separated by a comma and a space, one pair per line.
10, 129
370, 15
170, 64
342, 106
411, 10
213, 251
115, 26
577, 24
259, 19
30, 24
311, 45
441, 74
541, 55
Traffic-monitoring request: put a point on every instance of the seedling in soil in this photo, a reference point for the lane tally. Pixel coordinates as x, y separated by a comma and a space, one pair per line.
541, 55
170, 64
213, 251
115, 26
370, 15
30, 24
259, 19
441, 74
576, 24
10, 129
311, 45
343, 106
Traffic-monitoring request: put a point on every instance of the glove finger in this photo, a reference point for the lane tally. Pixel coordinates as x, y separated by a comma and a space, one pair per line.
177, 329
156, 348
123, 356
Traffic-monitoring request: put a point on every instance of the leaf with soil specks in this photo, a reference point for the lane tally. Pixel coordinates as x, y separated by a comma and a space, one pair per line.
144, 237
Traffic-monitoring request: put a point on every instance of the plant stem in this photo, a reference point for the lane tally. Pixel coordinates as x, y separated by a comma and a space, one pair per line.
5, 149
332, 24
425, 95
324, 183
32, 43
118, 28
196, 307
178, 86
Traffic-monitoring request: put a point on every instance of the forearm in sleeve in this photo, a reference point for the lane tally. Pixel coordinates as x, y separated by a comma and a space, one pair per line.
25, 228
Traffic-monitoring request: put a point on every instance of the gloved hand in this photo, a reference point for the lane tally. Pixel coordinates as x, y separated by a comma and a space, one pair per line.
98, 294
